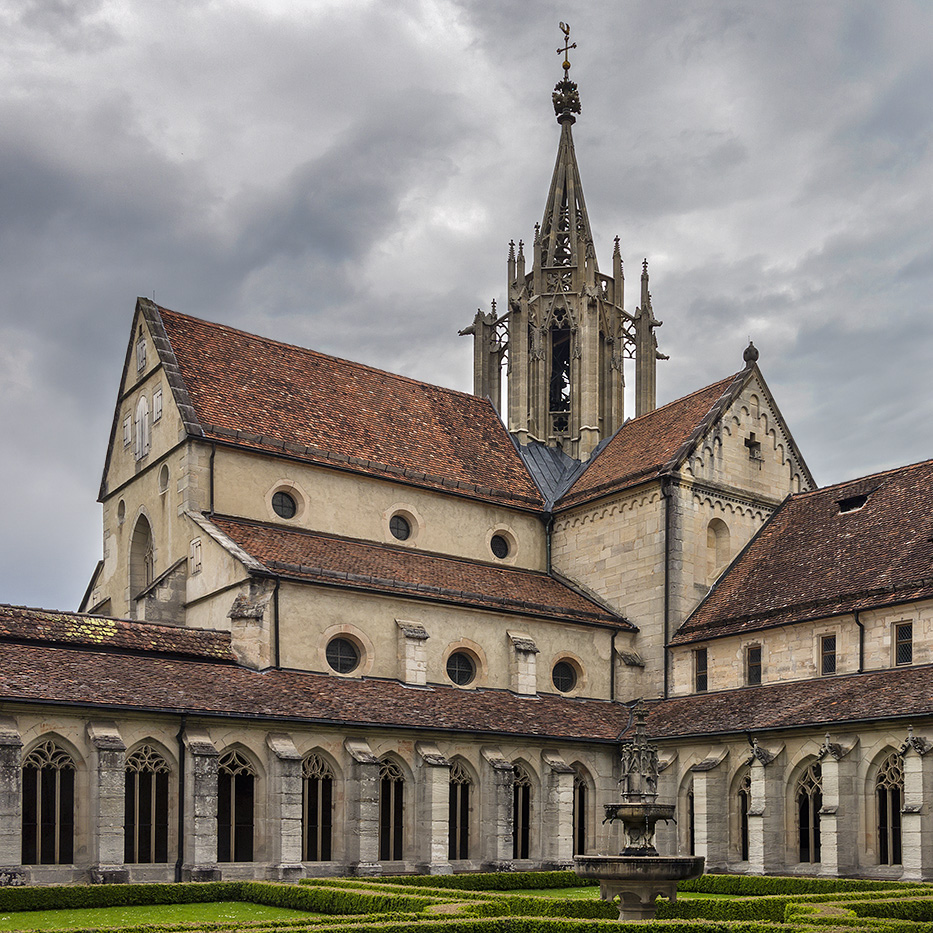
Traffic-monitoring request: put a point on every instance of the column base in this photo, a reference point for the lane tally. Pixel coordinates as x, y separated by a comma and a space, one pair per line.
289, 872
200, 873
435, 868
109, 874
366, 869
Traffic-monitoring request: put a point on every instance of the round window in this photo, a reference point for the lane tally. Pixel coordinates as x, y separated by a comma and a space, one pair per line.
461, 668
343, 655
284, 505
500, 546
400, 527
564, 676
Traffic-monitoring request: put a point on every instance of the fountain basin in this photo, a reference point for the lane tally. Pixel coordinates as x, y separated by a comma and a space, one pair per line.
638, 880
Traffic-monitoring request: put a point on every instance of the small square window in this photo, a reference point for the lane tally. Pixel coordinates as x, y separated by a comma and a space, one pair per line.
904, 643
828, 654
700, 678
753, 665
141, 354
157, 405
196, 556
127, 431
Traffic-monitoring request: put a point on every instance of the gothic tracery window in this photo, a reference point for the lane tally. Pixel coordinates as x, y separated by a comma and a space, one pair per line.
391, 811
521, 813
317, 807
889, 794
744, 804
458, 825
809, 796
236, 786
48, 806
559, 388
580, 796
146, 807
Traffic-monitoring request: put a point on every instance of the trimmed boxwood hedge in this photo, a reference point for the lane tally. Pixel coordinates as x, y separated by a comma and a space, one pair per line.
493, 881
756, 885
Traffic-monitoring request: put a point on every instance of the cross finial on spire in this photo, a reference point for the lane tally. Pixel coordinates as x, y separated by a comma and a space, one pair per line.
568, 45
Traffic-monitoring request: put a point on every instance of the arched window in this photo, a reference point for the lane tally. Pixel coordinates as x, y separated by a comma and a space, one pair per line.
236, 787
889, 793
317, 810
744, 796
142, 553
691, 822
559, 388
809, 793
717, 548
458, 825
48, 806
521, 813
142, 428
391, 811
579, 814
146, 807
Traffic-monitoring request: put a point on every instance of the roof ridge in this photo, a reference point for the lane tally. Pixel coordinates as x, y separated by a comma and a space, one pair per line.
863, 479
726, 382
330, 356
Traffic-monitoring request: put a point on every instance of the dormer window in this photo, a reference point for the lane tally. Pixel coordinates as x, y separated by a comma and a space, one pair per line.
851, 504
141, 354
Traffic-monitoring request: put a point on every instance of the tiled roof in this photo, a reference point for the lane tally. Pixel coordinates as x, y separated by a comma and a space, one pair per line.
643, 446
336, 561
898, 693
265, 395
22, 624
811, 560
159, 684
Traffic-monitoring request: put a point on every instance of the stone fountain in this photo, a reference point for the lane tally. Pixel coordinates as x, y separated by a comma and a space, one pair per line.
638, 875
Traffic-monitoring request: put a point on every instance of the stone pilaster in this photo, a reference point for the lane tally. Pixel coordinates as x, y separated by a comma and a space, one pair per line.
433, 816
917, 814
558, 811
839, 816
11, 803
285, 806
497, 811
106, 786
766, 846
200, 802
412, 663
711, 809
523, 664
363, 808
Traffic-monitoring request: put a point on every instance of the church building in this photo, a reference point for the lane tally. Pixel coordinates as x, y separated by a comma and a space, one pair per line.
347, 622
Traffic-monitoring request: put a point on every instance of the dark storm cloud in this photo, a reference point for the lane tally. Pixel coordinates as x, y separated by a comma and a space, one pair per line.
348, 176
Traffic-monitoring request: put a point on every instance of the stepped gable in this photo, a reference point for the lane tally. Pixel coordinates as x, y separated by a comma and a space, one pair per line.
826, 553
162, 685
644, 447
895, 694
25, 625
401, 571
261, 394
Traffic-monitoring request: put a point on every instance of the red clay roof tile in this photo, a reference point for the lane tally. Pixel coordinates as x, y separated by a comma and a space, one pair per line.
262, 394
811, 560
336, 561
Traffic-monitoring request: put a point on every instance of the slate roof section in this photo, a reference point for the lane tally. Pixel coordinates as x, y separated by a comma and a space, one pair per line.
25, 625
898, 693
127, 682
812, 561
551, 468
257, 393
400, 571
644, 447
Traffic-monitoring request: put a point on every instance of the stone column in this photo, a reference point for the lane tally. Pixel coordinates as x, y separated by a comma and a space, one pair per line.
839, 815
362, 809
711, 809
200, 801
917, 813
497, 811
557, 828
766, 843
285, 806
433, 810
11, 803
106, 786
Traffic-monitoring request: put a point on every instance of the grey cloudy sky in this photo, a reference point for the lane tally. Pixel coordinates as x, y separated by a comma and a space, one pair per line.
346, 174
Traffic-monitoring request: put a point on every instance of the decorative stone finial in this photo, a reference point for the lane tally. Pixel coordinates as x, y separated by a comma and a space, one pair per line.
521, 249
511, 249
565, 97
644, 267
751, 354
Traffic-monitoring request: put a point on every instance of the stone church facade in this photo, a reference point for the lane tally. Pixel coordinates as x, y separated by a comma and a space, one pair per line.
349, 622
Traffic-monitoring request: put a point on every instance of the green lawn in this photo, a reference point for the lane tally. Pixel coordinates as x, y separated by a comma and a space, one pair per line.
221, 911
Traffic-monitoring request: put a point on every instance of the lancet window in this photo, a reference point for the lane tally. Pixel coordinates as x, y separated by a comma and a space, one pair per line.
48, 806
744, 804
236, 794
146, 807
580, 799
458, 825
391, 811
809, 794
521, 813
889, 794
317, 810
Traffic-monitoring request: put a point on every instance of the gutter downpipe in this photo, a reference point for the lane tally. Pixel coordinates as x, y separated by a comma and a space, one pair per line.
548, 526
181, 796
275, 632
861, 640
210, 510
666, 496
612, 667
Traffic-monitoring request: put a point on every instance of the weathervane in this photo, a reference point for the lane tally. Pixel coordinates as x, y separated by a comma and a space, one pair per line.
568, 45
